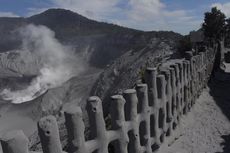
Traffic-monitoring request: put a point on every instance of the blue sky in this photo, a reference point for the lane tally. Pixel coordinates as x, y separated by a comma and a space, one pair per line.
175, 15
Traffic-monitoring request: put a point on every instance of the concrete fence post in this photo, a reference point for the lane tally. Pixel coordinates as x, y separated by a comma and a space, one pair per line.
151, 80
118, 123
142, 95
15, 142
75, 129
181, 86
117, 111
131, 115
131, 104
177, 91
97, 123
197, 76
169, 117
194, 79
174, 94
200, 82
186, 86
145, 139
161, 89
49, 135
189, 84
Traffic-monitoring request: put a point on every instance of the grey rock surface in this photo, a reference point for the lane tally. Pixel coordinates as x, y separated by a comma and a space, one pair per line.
126, 70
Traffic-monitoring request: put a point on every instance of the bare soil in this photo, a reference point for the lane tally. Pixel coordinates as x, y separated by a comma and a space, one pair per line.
206, 129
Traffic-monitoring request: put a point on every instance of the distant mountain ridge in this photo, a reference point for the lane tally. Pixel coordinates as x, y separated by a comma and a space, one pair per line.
86, 36
66, 25
75, 23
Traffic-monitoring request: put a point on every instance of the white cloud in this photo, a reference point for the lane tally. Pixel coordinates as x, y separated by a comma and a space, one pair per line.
154, 15
139, 14
8, 14
225, 8
97, 9
33, 11
145, 9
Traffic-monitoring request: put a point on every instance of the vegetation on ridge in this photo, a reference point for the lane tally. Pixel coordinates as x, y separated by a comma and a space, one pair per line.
216, 26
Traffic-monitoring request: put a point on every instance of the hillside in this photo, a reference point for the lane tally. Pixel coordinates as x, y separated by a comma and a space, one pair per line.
99, 42
108, 58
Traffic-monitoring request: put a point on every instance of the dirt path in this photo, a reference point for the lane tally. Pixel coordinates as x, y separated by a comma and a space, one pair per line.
206, 129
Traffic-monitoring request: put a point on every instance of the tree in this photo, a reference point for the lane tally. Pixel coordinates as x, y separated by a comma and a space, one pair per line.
227, 32
184, 45
227, 27
214, 24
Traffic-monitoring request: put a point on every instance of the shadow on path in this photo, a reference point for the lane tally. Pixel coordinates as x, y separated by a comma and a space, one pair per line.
220, 91
225, 144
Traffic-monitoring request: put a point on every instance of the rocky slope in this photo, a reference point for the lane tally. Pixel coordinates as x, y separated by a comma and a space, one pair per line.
114, 58
16, 64
129, 68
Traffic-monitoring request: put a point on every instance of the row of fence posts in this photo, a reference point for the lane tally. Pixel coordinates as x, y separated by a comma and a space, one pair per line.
142, 119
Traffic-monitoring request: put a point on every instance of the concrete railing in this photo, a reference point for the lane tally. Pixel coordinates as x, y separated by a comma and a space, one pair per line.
142, 119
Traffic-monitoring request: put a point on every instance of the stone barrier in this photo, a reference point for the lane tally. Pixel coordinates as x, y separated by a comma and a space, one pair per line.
142, 119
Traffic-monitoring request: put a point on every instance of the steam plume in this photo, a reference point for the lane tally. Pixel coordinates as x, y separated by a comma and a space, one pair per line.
57, 63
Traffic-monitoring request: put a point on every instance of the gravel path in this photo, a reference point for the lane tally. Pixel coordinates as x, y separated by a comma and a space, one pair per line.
206, 129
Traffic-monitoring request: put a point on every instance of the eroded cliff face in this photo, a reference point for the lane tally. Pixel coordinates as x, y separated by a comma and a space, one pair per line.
18, 63
18, 69
129, 68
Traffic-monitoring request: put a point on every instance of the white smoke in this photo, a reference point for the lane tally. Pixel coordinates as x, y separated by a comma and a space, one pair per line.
57, 63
